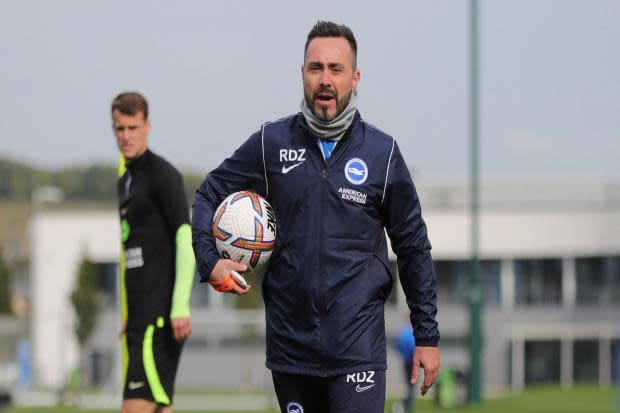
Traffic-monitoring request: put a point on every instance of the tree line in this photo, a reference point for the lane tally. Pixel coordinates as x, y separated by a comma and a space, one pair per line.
95, 182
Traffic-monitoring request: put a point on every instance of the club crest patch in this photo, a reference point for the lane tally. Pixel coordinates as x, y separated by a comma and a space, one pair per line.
294, 407
356, 171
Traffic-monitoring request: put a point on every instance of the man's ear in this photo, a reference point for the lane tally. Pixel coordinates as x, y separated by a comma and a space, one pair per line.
356, 79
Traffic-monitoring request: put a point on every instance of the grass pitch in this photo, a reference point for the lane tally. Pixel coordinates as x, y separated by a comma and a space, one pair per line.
580, 399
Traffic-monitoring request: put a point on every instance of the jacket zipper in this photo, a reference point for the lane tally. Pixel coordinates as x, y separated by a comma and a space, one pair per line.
323, 275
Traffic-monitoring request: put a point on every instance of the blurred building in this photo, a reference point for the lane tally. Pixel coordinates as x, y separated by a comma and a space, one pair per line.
551, 274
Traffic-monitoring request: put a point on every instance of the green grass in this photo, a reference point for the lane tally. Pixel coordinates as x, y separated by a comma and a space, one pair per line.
539, 400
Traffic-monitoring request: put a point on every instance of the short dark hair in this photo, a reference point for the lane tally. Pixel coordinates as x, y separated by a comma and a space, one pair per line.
130, 103
331, 29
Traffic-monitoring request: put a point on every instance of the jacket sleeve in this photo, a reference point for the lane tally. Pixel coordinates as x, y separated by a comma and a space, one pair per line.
170, 196
402, 218
244, 170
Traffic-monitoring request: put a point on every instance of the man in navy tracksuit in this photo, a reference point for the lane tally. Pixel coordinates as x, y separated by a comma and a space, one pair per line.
336, 184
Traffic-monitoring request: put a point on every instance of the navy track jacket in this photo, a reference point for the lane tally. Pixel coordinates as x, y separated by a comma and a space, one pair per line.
328, 277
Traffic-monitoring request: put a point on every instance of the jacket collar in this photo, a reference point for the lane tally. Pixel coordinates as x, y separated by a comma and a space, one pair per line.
357, 120
139, 161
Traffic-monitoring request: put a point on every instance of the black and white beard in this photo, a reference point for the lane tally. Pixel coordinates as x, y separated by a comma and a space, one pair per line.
341, 105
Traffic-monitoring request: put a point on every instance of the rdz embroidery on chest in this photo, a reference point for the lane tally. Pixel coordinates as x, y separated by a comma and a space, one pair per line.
292, 155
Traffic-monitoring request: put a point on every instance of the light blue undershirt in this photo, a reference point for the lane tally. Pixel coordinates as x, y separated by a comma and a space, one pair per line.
327, 147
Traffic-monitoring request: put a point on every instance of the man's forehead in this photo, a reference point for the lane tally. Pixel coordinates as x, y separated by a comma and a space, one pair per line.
119, 116
330, 48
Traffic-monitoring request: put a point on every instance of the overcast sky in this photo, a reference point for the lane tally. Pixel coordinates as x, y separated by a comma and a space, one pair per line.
214, 71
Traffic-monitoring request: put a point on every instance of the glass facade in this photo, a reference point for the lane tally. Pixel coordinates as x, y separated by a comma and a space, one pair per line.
108, 281
542, 362
585, 361
453, 281
538, 281
598, 280
615, 362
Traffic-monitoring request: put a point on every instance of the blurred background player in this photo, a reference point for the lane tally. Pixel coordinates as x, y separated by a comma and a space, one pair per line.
405, 345
336, 184
158, 262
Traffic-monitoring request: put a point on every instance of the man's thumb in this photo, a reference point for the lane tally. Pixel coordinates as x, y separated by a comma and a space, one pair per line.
239, 267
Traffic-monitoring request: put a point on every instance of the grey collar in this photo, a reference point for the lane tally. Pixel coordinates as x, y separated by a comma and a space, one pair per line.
335, 128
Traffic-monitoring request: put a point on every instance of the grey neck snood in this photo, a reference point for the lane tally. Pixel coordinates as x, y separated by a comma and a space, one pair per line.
335, 128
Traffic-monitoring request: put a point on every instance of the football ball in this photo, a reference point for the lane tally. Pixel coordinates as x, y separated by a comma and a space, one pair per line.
244, 229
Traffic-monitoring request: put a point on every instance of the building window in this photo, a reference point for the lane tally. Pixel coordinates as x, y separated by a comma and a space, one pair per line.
490, 279
598, 280
453, 281
615, 360
542, 361
107, 273
585, 361
538, 281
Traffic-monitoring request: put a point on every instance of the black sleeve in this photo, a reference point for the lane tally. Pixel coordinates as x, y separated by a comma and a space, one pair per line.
402, 217
244, 170
170, 196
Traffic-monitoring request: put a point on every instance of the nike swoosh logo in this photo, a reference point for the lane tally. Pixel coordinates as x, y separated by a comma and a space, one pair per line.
287, 169
360, 389
135, 385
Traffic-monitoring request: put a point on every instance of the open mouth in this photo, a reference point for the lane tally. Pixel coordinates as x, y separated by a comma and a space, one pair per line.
324, 97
